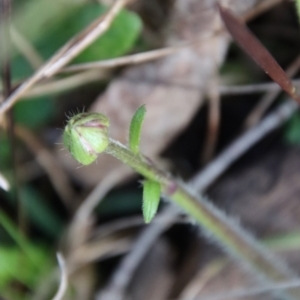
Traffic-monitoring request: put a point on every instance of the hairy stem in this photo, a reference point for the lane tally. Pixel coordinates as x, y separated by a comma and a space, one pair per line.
214, 223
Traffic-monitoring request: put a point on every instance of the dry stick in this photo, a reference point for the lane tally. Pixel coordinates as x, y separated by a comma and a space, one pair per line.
74, 81
49, 163
65, 84
63, 285
267, 100
126, 223
126, 60
241, 293
230, 90
66, 54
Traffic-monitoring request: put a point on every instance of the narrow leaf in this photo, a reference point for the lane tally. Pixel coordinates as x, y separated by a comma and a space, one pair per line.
151, 197
253, 47
135, 129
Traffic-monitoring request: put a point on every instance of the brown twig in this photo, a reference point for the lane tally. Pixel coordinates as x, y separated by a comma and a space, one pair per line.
125, 60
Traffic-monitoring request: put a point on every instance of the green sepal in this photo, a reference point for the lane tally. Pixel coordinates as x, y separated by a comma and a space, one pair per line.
151, 197
135, 129
86, 135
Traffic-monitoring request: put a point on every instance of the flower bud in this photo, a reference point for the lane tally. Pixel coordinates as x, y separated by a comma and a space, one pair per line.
86, 135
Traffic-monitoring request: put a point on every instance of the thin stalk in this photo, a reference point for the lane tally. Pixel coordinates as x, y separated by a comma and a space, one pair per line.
227, 233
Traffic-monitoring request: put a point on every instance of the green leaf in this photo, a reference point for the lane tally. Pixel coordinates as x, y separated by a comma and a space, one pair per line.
118, 39
151, 197
14, 233
34, 113
34, 259
30, 274
35, 18
135, 129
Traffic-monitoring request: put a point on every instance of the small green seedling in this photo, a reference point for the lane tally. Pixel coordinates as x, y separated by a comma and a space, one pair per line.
151, 197
86, 135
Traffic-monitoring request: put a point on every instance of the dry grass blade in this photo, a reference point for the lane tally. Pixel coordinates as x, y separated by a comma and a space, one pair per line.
66, 84
229, 90
253, 47
66, 53
125, 60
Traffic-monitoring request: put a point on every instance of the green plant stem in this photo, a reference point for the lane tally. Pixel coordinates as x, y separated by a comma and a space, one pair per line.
214, 223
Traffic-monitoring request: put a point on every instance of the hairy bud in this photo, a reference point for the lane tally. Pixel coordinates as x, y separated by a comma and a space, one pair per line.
86, 135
